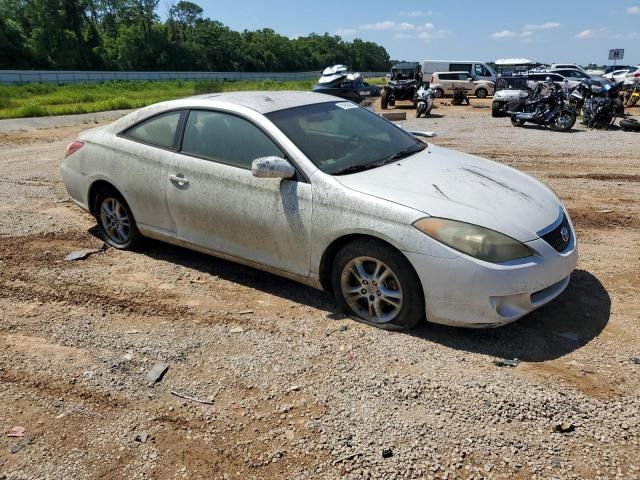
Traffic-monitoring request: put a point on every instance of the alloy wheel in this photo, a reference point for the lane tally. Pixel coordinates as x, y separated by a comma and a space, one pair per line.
371, 289
115, 221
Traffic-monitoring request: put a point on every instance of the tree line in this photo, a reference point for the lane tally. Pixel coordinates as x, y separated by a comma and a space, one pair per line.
130, 35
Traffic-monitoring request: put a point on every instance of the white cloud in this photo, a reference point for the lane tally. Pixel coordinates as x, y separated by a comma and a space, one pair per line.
585, 34
388, 25
526, 34
633, 10
417, 13
346, 32
397, 26
543, 26
503, 34
442, 33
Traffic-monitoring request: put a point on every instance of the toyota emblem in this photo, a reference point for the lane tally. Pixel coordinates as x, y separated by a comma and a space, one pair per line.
564, 232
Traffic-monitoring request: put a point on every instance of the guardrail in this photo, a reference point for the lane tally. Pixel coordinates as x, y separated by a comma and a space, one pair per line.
78, 76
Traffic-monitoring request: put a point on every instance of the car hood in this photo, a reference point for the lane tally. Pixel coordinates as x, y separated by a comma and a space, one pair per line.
449, 184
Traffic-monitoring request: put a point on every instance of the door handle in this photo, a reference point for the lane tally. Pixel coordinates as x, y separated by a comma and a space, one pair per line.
179, 179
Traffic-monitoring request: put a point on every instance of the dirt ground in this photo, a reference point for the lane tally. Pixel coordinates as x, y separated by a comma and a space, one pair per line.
291, 388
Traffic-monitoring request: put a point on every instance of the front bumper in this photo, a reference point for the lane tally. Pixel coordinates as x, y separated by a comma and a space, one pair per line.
468, 292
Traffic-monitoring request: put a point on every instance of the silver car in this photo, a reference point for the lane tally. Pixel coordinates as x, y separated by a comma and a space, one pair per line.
325, 192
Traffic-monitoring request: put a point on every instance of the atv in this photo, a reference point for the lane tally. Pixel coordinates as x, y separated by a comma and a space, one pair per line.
406, 79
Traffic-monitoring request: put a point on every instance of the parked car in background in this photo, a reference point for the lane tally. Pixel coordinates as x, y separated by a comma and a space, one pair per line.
566, 66
559, 80
575, 75
443, 83
632, 76
327, 193
616, 76
611, 68
479, 70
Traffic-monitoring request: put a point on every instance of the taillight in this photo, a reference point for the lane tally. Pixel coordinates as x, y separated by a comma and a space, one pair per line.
73, 147
636, 74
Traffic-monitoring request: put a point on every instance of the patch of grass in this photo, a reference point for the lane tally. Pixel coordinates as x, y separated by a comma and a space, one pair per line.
40, 99
207, 86
32, 109
5, 101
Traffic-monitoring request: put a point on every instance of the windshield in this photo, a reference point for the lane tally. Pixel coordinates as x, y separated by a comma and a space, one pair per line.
341, 137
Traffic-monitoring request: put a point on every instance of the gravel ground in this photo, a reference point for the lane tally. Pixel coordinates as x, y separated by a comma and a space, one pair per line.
278, 383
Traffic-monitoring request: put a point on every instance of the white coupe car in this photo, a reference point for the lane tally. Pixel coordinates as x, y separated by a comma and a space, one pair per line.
325, 192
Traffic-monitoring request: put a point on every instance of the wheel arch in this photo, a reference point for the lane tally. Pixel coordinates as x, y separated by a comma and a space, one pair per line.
330, 252
97, 186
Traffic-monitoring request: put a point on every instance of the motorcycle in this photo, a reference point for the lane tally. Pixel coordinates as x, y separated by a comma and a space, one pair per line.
600, 109
424, 101
552, 110
633, 95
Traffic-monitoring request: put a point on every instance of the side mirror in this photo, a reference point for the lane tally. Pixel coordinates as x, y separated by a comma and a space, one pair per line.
272, 167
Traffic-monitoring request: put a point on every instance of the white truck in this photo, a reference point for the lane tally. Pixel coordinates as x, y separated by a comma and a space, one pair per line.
479, 70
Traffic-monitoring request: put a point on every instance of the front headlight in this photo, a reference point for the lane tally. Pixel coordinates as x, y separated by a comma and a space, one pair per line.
478, 242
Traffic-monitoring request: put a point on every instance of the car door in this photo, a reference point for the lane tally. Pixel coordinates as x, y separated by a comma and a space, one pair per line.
448, 81
217, 203
141, 173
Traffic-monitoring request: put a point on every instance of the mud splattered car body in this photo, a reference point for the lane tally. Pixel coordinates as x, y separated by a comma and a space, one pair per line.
333, 196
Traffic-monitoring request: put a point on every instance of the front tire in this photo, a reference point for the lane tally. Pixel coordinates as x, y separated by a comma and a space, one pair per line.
116, 222
481, 93
563, 122
438, 93
375, 284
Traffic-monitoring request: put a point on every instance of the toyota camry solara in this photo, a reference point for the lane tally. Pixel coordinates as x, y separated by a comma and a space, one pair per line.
320, 190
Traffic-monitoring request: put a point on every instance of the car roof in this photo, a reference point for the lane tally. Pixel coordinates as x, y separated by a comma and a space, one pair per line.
405, 65
262, 102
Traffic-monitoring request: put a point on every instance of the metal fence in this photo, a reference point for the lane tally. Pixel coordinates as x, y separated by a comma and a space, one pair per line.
69, 76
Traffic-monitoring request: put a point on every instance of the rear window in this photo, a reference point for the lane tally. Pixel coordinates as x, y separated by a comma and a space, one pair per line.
159, 131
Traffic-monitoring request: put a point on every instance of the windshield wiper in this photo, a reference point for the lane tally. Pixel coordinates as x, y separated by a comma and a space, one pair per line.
356, 168
396, 156
407, 152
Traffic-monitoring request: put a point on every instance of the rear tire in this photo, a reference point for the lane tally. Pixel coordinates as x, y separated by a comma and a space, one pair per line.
438, 93
516, 122
115, 220
495, 109
376, 284
384, 100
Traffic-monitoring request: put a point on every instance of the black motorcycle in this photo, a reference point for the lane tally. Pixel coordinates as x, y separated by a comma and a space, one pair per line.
552, 110
600, 109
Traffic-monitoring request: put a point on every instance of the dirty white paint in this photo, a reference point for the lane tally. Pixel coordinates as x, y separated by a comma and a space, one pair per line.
285, 225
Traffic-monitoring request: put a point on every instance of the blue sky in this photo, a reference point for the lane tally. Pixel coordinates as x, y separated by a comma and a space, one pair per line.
542, 30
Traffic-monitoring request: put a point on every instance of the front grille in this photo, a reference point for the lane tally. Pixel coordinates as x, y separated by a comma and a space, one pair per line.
555, 237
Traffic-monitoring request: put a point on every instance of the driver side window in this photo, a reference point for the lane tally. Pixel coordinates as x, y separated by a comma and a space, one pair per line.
226, 138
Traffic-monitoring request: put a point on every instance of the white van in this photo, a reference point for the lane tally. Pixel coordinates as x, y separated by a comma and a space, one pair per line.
479, 70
